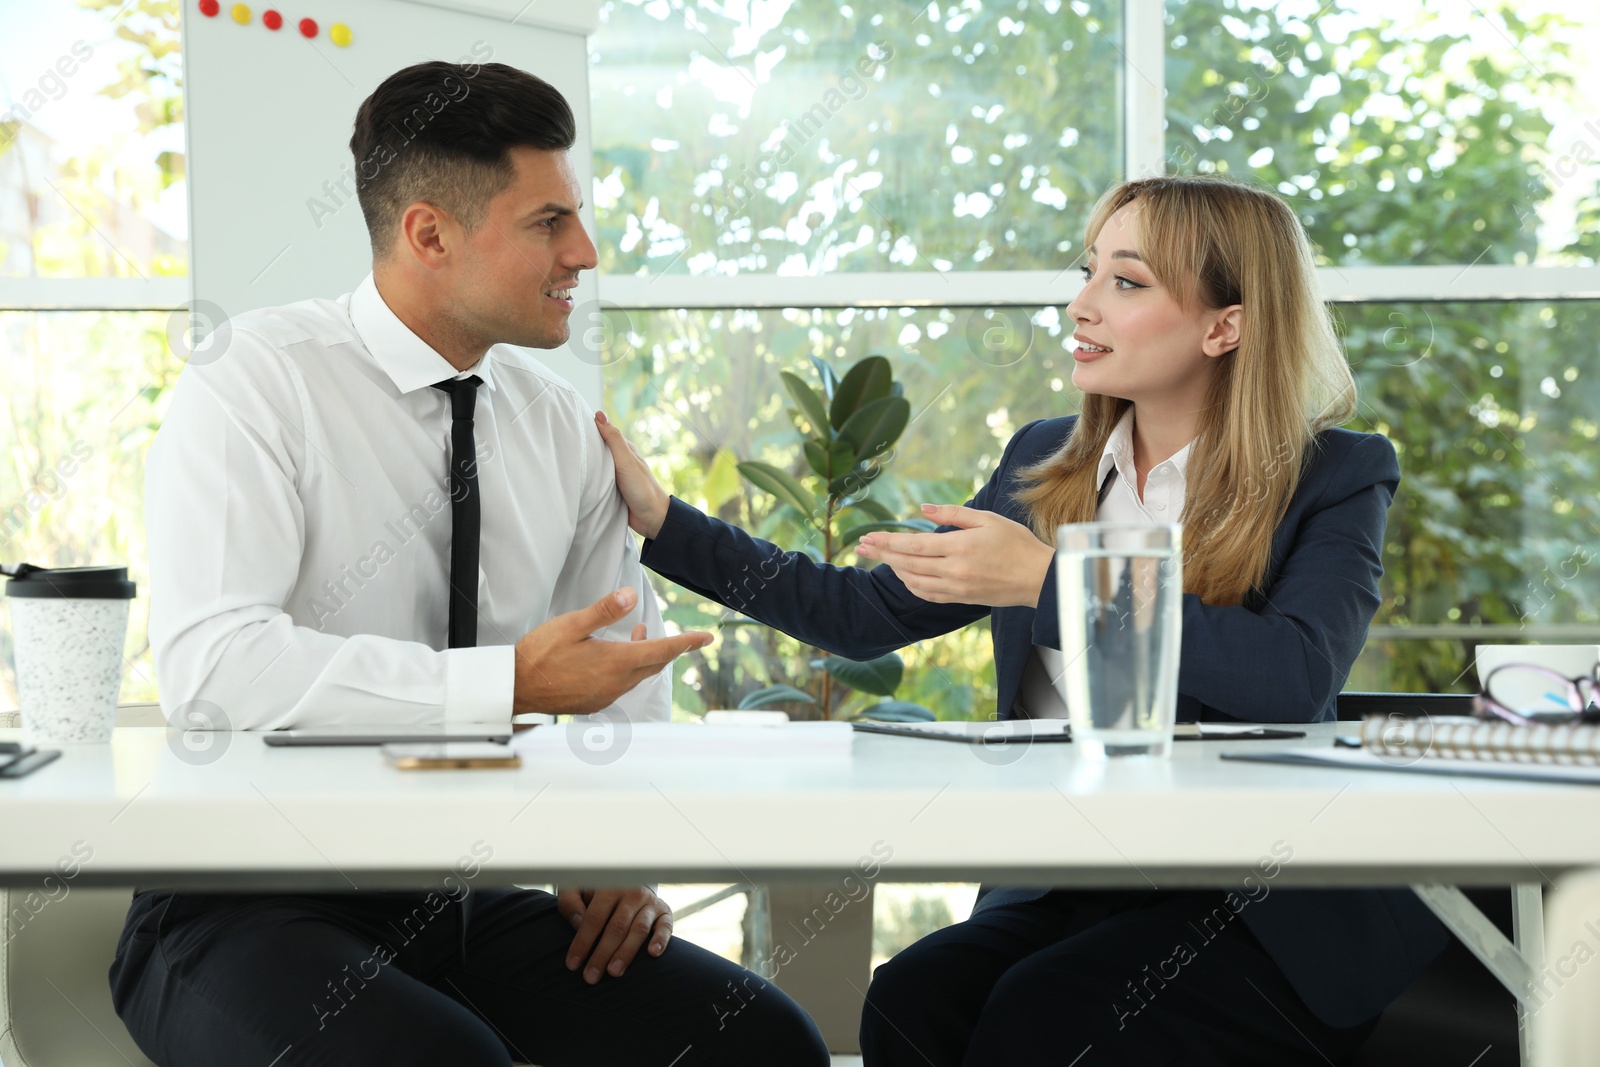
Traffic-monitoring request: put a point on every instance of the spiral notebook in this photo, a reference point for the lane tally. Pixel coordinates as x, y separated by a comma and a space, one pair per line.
1459, 745
1351, 759
1466, 738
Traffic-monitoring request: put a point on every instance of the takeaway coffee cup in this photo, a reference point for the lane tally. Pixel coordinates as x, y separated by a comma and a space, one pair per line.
68, 625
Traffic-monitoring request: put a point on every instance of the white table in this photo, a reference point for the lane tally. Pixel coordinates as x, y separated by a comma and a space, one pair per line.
256, 816
692, 803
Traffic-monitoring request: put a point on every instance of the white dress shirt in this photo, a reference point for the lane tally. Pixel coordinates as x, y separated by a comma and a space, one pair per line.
297, 500
1040, 692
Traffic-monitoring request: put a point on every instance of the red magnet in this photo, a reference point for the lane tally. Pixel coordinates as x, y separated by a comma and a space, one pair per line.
209, 8
308, 27
271, 19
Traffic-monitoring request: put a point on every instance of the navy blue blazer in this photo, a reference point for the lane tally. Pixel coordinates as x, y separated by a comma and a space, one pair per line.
1281, 656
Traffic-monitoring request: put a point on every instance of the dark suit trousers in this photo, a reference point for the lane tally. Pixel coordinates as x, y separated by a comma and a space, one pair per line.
1095, 979
283, 980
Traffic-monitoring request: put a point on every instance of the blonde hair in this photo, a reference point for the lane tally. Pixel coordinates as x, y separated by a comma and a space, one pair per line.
1214, 243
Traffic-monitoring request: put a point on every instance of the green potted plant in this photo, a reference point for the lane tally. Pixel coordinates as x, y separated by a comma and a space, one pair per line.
848, 431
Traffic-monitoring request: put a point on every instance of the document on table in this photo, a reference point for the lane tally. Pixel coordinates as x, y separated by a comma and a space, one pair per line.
975, 731
1357, 759
1002, 731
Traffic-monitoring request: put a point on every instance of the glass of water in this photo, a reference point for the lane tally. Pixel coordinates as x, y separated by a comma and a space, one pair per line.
1120, 588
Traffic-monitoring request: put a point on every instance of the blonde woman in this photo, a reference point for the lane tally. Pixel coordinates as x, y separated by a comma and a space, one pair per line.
1214, 386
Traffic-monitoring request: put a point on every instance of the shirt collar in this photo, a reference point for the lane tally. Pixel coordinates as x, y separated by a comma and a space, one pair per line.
1118, 453
407, 359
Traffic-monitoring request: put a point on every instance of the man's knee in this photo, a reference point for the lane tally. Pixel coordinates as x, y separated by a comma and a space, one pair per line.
767, 1027
461, 1043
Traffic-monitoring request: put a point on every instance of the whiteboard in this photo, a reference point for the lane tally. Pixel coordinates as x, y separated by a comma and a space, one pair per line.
268, 118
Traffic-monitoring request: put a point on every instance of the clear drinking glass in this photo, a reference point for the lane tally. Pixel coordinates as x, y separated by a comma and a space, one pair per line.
1120, 588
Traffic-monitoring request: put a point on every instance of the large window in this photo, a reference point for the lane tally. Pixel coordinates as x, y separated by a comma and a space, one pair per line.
93, 247
799, 179
1444, 165
91, 141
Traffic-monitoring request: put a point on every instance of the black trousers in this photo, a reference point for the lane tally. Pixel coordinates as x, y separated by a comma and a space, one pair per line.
346, 980
1094, 979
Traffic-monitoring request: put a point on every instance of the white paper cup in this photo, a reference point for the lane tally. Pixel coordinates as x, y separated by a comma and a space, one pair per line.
68, 626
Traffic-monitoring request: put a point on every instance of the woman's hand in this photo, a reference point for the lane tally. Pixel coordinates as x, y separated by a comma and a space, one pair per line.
990, 561
647, 501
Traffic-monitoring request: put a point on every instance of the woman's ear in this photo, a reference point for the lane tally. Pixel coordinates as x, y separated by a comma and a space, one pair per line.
1223, 336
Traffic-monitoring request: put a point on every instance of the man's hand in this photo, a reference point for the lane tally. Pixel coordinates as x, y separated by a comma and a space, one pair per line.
561, 670
611, 926
647, 501
990, 560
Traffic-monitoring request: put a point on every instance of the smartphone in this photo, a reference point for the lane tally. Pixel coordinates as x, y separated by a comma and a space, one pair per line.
17, 766
415, 757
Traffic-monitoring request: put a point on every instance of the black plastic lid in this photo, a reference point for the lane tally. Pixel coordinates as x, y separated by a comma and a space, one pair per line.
61, 583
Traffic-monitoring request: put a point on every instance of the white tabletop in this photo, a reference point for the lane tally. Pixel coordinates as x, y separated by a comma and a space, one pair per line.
803, 803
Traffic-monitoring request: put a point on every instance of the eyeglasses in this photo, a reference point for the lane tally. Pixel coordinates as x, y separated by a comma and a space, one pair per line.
1530, 695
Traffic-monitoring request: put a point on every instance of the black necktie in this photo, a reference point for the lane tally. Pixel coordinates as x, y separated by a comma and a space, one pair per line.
465, 511
465, 518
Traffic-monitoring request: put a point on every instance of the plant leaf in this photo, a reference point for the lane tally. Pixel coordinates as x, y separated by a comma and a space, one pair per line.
867, 381
830, 380
897, 711
829, 462
876, 427
816, 456
780, 484
874, 508
853, 534
809, 403
853, 481
880, 677
775, 694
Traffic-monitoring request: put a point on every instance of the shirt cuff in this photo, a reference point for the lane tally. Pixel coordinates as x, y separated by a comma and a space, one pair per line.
480, 684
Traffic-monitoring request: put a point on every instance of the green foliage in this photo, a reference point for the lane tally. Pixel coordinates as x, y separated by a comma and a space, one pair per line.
824, 167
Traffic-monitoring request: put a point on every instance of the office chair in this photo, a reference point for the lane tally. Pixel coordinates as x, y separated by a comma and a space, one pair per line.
1455, 1010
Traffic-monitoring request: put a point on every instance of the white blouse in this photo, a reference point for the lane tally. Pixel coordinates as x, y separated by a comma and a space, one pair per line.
1039, 696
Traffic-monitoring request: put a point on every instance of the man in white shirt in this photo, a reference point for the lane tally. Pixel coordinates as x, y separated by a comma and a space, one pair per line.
370, 510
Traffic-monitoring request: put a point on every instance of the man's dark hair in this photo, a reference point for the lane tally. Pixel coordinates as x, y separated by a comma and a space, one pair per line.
441, 133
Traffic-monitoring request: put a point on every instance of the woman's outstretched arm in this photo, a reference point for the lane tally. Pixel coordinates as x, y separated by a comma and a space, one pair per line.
849, 611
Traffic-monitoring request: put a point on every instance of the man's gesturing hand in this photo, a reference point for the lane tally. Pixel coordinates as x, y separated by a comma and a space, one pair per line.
612, 925
561, 670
